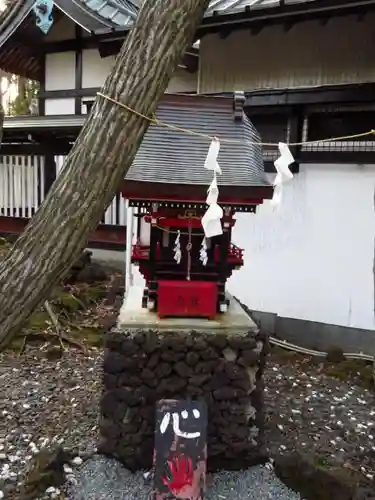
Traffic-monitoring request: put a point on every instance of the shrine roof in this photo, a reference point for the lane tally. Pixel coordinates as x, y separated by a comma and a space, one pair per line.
108, 13
174, 157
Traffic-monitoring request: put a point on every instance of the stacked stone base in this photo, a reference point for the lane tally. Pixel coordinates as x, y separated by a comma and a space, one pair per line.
225, 370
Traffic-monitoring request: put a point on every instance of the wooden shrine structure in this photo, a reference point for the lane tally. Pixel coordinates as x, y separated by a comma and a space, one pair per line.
185, 272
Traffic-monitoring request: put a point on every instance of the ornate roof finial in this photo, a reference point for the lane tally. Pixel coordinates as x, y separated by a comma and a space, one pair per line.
238, 104
43, 11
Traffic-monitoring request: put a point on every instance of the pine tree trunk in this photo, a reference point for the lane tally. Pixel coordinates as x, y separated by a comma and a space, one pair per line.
98, 161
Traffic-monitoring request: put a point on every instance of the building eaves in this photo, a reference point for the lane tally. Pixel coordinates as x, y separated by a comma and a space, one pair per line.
234, 6
12, 17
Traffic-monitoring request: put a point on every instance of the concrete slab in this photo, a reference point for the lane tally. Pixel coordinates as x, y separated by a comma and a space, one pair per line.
132, 315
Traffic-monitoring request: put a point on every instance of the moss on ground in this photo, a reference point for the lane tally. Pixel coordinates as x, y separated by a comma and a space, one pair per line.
356, 371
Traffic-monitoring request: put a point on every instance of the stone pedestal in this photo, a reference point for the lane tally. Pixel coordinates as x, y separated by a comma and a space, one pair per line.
222, 365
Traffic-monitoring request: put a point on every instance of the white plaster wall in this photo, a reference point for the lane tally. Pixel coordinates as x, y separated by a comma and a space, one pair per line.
313, 258
94, 68
60, 71
310, 54
63, 106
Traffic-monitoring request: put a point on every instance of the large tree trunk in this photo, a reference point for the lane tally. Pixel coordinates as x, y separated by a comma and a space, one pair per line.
98, 161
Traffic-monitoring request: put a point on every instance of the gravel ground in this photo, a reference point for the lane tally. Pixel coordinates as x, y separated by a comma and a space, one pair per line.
310, 412
44, 402
104, 479
47, 401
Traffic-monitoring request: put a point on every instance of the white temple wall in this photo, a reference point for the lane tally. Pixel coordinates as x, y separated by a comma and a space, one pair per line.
309, 54
313, 259
60, 75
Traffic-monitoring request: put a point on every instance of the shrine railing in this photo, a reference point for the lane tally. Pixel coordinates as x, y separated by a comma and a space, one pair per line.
23, 187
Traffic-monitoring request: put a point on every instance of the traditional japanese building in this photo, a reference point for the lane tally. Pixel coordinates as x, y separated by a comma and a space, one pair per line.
307, 71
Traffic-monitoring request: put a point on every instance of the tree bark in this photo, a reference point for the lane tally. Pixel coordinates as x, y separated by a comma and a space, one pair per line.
98, 161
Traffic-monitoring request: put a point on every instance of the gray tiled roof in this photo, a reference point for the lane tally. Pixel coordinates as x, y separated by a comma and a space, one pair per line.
229, 6
119, 12
170, 156
124, 12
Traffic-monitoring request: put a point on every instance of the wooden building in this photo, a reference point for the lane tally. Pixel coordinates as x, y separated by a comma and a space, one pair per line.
308, 72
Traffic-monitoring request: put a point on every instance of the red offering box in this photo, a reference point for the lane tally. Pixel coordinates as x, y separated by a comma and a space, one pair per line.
187, 298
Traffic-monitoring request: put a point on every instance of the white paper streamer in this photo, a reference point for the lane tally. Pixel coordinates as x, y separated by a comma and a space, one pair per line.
212, 192
211, 221
177, 249
283, 173
203, 257
211, 159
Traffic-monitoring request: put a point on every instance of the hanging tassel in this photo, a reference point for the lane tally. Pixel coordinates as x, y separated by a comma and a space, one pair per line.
211, 221
177, 249
203, 257
283, 173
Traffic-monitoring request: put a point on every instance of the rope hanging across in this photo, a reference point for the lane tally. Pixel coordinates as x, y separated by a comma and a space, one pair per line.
156, 121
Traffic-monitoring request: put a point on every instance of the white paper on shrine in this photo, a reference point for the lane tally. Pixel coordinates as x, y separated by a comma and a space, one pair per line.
212, 156
211, 221
212, 192
203, 256
283, 172
177, 249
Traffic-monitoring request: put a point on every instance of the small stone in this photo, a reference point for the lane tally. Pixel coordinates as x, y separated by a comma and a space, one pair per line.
209, 353
225, 393
182, 369
218, 340
77, 461
163, 370
192, 358
229, 354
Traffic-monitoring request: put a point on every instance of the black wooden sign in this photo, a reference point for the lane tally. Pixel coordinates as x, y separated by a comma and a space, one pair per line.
180, 451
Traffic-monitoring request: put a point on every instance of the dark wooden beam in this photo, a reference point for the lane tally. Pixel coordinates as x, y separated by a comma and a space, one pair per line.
105, 236
340, 124
110, 48
296, 136
271, 100
284, 13
191, 62
42, 87
59, 94
340, 94
81, 43
340, 157
38, 149
49, 172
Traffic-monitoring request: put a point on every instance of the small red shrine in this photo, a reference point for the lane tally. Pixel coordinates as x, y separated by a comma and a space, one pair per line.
185, 272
